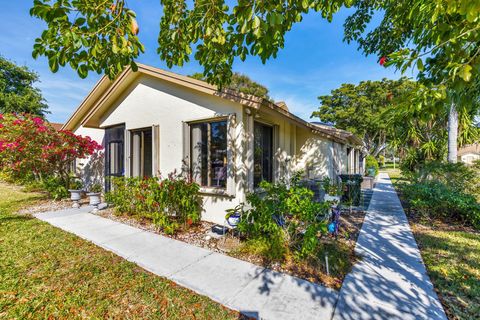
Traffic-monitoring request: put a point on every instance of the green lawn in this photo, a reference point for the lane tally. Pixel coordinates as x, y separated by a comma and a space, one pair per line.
48, 273
452, 258
453, 263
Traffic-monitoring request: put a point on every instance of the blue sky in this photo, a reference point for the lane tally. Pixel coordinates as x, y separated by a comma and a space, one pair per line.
314, 61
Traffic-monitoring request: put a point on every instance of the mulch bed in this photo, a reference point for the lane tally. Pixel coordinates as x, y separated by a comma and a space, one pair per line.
45, 205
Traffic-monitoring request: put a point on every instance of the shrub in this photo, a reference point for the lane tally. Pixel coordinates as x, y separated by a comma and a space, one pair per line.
31, 149
381, 159
457, 176
169, 203
445, 190
284, 220
331, 188
439, 200
371, 163
55, 187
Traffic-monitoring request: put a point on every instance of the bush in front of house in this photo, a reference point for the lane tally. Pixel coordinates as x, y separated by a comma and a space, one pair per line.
450, 191
283, 220
371, 164
170, 203
31, 150
435, 199
457, 176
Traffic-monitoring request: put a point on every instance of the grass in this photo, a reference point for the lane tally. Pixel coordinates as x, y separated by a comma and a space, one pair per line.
452, 257
453, 262
48, 273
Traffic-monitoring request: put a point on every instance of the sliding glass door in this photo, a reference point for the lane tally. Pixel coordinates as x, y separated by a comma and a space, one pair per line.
114, 153
263, 153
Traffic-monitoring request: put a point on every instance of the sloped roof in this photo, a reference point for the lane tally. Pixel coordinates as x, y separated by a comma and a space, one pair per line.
87, 114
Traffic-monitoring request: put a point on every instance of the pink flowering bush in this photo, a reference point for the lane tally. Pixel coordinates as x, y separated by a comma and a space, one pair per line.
31, 147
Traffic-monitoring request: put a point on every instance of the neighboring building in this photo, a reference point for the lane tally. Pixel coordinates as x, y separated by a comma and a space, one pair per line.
56, 126
469, 153
153, 121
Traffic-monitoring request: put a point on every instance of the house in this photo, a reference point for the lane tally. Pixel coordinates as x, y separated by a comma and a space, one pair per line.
56, 126
153, 121
469, 153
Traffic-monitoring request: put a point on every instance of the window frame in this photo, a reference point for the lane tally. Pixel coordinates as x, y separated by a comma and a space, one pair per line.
142, 146
222, 190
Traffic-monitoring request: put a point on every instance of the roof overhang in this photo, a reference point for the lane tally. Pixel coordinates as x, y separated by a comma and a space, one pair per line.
105, 92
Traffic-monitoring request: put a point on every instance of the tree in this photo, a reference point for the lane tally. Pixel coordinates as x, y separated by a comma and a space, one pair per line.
440, 38
418, 126
101, 36
360, 109
29, 146
17, 93
242, 83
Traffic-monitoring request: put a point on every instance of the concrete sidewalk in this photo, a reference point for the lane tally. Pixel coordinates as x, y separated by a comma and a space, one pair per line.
390, 282
242, 286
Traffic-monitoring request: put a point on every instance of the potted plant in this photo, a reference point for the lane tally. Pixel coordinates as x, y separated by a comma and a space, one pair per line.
75, 193
94, 194
233, 216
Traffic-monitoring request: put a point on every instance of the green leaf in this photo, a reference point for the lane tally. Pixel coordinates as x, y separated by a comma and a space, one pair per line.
465, 72
420, 65
256, 22
82, 71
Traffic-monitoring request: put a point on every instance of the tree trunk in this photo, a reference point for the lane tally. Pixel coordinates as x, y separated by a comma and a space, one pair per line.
452, 133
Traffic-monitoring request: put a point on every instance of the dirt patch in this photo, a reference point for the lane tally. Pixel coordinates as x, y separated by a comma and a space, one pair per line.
351, 224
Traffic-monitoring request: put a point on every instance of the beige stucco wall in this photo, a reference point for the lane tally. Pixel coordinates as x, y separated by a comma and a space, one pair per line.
150, 101
314, 155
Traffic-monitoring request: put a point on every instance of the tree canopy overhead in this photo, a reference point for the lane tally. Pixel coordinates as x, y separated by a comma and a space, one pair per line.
360, 109
242, 83
101, 36
440, 37
17, 93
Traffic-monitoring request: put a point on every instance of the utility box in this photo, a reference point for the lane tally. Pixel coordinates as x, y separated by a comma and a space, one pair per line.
368, 183
352, 191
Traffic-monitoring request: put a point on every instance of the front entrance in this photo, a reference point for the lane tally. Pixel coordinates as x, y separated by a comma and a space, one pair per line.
263, 153
114, 154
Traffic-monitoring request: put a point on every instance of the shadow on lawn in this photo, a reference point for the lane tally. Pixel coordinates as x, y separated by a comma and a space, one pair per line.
9, 217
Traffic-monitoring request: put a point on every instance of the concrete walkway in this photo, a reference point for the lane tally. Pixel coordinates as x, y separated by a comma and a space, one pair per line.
390, 282
239, 285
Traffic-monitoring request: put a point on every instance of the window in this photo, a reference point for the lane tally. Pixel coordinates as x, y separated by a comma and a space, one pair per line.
114, 144
263, 153
209, 153
141, 153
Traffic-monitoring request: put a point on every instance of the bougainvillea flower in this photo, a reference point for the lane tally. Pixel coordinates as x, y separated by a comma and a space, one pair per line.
38, 121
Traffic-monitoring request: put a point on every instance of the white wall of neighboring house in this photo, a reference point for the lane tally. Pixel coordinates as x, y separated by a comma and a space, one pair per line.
91, 169
469, 158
